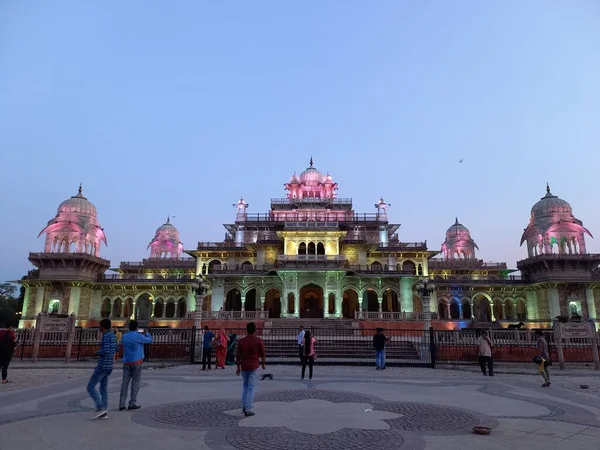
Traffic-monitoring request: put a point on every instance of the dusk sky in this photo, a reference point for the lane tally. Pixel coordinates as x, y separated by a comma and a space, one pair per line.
179, 108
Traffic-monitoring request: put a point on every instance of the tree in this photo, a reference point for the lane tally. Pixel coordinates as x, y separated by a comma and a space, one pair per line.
10, 304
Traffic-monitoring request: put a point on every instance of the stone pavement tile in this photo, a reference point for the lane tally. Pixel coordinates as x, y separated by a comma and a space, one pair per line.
591, 431
592, 442
466, 397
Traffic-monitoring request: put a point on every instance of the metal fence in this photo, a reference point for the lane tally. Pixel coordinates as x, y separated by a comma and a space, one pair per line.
335, 346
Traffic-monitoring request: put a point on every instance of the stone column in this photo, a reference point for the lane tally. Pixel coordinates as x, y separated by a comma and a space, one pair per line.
39, 301
426, 301
296, 305
243, 308
406, 294
532, 305
112, 306
198, 311
553, 302
380, 304
262, 304
591, 306
74, 298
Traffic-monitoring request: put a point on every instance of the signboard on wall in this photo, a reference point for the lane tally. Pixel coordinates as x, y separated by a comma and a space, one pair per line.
575, 330
55, 324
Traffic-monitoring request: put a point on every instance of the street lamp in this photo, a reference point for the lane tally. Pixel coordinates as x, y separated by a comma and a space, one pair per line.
425, 288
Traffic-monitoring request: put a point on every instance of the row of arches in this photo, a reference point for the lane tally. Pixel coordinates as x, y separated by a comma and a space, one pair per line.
144, 308
482, 309
406, 267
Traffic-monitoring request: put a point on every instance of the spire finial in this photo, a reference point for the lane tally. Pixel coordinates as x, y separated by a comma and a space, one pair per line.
311, 161
168, 219
456, 223
547, 188
80, 191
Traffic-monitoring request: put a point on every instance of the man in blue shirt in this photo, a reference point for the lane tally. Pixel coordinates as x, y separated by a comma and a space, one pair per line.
206, 347
108, 348
133, 357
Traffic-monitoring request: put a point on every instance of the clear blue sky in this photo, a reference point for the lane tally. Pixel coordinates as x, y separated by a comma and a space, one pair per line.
179, 108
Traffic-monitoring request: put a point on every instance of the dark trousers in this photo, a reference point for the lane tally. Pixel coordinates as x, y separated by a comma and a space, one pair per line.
483, 360
307, 360
4, 362
206, 356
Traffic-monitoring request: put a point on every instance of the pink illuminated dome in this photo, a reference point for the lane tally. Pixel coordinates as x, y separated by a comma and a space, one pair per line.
75, 228
166, 242
553, 229
311, 184
459, 243
311, 175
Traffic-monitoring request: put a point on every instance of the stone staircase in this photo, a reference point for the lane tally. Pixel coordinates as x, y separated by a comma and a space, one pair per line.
338, 342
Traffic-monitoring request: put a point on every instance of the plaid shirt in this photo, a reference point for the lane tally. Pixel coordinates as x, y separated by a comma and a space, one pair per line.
107, 351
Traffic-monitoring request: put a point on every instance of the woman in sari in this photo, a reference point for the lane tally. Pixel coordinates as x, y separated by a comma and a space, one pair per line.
221, 341
231, 349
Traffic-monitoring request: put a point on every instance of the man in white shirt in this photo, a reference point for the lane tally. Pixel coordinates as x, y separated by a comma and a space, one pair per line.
300, 338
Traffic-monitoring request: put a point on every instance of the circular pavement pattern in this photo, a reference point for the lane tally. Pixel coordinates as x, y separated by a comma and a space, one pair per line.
202, 414
282, 438
425, 419
313, 394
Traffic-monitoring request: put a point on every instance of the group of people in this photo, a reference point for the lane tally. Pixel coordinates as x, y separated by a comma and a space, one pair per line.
541, 359
132, 346
224, 345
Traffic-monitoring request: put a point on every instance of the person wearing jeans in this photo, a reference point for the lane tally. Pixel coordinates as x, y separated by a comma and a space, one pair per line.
108, 348
249, 350
133, 356
207, 340
379, 341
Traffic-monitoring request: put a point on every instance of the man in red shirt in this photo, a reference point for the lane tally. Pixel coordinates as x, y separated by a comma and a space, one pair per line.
249, 350
8, 341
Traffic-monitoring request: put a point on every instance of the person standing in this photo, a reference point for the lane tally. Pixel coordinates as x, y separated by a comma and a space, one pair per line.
544, 354
309, 354
133, 357
249, 350
221, 341
108, 347
379, 341
8, 342
485, 354
300, 339
118, 335
207, 347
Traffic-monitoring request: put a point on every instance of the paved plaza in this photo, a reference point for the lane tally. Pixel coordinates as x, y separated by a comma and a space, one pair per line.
341, 408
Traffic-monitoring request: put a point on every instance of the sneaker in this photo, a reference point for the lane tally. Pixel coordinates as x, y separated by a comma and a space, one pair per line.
100, 413
377, 368
133, 407
249, 414
545, 384
104, 417
122, 408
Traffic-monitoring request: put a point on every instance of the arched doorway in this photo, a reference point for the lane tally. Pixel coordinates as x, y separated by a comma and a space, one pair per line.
320, 248
409, 267
117, 308
233, 300
128, 308
498, 309
442, 310
159, 308
311, 301
143, 308
273, 303
454, 310
331, 303
483, 310
467, 312
291, 301
521, 312
250, 303
509, 313
349, 303
390, 301
372, 303
170, 309
181, 308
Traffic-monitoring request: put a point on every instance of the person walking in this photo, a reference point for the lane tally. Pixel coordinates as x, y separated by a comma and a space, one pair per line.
207, 347
379, 341
485, 354
299, 340
133, 357
108, 347
249, 350
544, 355
308, 354
8, 343
221, 341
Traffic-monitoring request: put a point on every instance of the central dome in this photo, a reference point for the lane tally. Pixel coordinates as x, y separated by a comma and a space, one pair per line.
550, 204
78, 204
311, 175
457, 228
